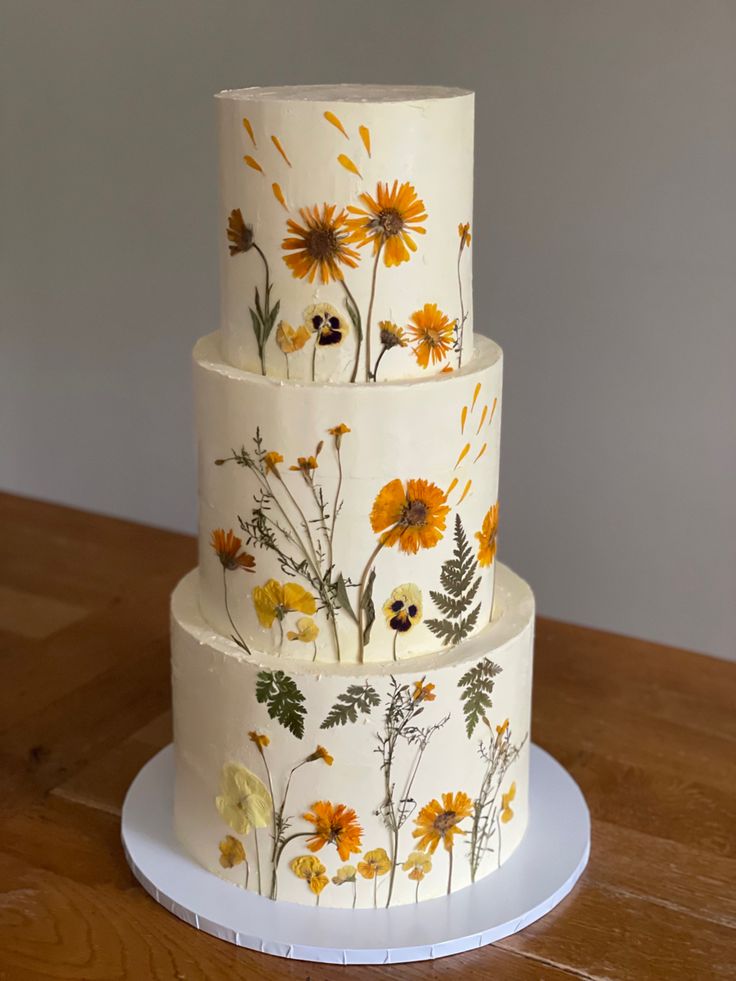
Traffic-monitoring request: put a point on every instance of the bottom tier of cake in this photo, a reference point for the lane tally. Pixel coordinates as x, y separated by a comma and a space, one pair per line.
353, 785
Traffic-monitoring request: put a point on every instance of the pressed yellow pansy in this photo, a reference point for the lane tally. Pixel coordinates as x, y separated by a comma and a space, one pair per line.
232, 852
375, 862
274, 600
506, 811
309, 868
418, 864
306, 630
244, 801
403, 608
291, 339
346, 873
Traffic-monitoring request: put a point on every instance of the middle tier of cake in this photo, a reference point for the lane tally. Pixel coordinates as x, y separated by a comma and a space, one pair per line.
348, 522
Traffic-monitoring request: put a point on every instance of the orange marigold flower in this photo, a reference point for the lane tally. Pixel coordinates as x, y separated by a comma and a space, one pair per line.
305, 465
239, 235
259, 738
320, 245
506, 811
388, 221
414, 515
487, 537
321, 753
433, 332
439, 822
422, 692
339, 430
334, 825
463, 231
501, 730
271, 460
227, 546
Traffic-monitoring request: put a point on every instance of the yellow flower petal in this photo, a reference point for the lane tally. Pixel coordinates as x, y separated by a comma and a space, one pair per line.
334, 121
365, 135
463, 453
253, 163
277, 143
348, 164
249, 130
279, 195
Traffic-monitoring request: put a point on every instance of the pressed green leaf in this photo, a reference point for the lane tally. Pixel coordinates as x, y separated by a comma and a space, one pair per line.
357, 698
343, 598
460, 582
282, 698
476, 687
256, 325
369, 607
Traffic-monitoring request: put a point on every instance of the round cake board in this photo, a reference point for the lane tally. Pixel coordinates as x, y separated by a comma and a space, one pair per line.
533, 880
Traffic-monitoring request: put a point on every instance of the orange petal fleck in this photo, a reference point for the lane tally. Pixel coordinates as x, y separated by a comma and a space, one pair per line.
348, 164
481, 452
334, 121
253, 163
463, 417
493, 409
279, 195
476, 393
464, 493
249, 130
452, 487
482, 419
365, 135
463, 453
277, 143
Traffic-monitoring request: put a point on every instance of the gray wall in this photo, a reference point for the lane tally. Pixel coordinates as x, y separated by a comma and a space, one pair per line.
605, 262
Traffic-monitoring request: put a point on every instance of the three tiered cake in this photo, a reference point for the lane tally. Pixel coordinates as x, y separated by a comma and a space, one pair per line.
351, 666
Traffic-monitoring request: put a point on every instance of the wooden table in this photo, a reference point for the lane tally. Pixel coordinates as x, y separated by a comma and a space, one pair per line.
648, 732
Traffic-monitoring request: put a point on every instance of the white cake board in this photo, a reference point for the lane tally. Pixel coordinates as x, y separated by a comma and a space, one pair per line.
539, 874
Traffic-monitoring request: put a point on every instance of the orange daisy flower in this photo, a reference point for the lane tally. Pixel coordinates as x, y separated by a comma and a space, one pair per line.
239, 235
334, 825
433, 332
439, 822
487, 537
388, 221
320, 245
227, 546
414, 516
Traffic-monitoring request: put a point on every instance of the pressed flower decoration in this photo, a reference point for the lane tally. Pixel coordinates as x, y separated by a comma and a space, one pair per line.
440, 823
227, 547
411, 516
274, 600
319, 245
306, 632
244, 804
346, 874
418, 865
433, 334
291, 340
463, 230
375, 863
506, 799
390, 336
487, 537
309, 868
232, 852
334, 825
403, 610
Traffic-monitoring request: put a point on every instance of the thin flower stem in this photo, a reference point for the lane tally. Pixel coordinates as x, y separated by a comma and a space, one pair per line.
449, 874
314, 645
396, 637
322, 522
498, 825
358, 329
317, 903
258, 860
375, 891
374, 376
247, 873
305, 524
286, 358
331, 536
370, 314
355, 893
314, 362
463, 315
229, 615
416, 892
361, 594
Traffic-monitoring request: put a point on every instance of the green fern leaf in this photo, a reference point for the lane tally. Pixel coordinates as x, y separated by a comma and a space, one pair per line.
284, 701
460, 584
357, 698
477, 686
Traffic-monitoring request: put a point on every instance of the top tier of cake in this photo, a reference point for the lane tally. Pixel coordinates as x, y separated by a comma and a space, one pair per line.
345, 238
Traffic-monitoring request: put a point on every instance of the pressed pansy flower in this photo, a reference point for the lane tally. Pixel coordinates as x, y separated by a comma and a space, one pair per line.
403, 608
327, 323
390, 335
274, 600
334, 825
346, 873
309, 868
433, 334
320, 245
260, 739
244, 801
487, 537
412, 517
232, 852
239, 235
321, 753
306, 630
227, 547
422, 692
439, 822
506, 811
388, 221
271, 461
291, 339
418, 864
375, 862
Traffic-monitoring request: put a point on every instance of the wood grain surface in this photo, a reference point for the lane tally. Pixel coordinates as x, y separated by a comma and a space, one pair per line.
648, 732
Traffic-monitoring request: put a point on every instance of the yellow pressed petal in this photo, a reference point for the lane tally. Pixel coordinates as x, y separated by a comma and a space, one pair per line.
249, 130
463, 453
279, 195
482, 419
277, 143
452, 487
476, 393
481, 451
253, 163
463, 417
493, 409
348, 164
365, 135
334, 121
465, 493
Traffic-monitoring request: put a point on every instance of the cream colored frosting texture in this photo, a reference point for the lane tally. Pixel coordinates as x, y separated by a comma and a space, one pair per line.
386, 781
412, 465
396, 169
